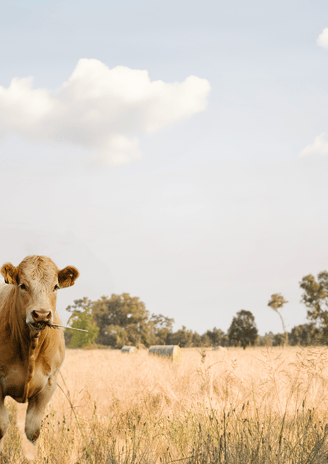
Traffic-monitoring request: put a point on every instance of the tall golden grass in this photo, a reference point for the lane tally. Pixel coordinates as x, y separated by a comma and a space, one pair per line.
239, 406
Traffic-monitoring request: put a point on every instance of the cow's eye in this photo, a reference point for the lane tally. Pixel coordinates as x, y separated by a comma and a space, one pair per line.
56, 287
23, 287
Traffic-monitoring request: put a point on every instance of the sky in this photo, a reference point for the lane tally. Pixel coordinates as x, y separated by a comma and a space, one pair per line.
173, 150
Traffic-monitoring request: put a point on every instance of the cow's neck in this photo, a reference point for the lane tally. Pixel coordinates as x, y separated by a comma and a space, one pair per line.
36, 341
33, 351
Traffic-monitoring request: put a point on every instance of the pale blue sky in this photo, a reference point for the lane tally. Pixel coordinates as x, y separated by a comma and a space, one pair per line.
220, 210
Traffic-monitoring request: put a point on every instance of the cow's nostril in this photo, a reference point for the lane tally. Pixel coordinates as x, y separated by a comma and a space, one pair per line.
41, 316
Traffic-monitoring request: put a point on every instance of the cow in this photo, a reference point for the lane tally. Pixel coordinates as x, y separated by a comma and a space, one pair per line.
31, 350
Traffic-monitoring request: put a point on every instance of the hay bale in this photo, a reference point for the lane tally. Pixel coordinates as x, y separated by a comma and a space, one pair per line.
129, 349
172, 352
220, 348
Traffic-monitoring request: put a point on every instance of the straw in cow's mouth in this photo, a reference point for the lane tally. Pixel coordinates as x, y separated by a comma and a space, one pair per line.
43, 325
39, 325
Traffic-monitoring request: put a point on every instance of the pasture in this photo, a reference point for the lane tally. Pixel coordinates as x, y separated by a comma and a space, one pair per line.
254, 406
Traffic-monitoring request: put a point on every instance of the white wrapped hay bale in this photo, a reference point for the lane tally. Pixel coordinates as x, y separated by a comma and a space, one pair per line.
129, 349
220, 348
172, 352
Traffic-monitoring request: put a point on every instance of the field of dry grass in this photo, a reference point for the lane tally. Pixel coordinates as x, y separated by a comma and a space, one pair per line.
253, 406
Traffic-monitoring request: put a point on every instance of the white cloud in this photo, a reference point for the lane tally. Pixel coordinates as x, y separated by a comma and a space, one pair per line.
100, 108
318, 147
322, 40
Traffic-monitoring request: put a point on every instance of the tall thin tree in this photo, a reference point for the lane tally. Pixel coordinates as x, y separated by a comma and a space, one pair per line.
276, 303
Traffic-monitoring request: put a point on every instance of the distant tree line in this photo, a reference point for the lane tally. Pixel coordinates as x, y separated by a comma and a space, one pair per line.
123, 320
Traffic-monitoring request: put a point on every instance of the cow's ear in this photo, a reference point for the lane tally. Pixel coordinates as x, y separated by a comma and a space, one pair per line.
67, 276
10, 273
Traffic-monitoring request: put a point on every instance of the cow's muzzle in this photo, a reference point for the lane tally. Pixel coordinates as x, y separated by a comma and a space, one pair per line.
40, 318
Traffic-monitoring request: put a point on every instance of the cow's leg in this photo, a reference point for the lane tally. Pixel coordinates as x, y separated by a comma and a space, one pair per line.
35, 411
4, 419
29, 450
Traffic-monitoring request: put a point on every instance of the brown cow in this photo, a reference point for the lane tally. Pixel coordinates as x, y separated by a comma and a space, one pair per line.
31, 351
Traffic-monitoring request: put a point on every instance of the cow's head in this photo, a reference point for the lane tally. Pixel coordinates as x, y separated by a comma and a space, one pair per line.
37, 279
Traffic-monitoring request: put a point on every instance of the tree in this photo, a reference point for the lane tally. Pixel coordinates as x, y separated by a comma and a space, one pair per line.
276, 303
78, 306
122, 320
279, 339
217, 337
305, 335
201, 340
161, 327
266, 339
315, 298
183, 337
83, 320
243, 330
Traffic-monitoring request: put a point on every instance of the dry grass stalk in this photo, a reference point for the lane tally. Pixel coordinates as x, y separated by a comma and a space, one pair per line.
253, 406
